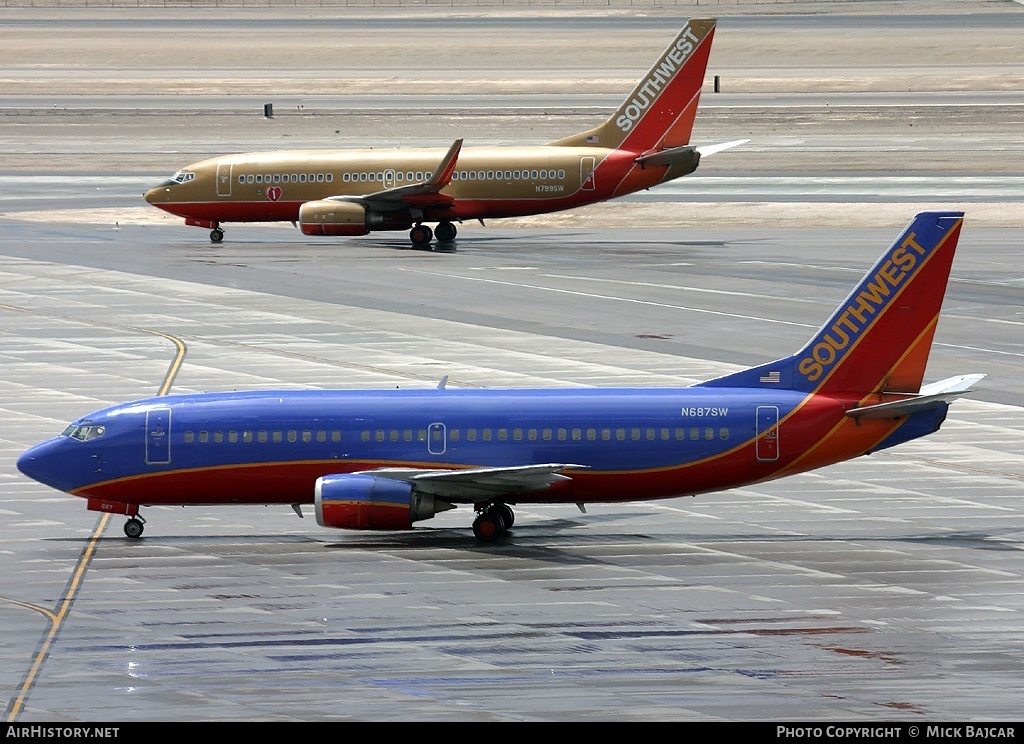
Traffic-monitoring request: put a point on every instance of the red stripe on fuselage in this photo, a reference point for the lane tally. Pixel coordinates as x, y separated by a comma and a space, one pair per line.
225, 210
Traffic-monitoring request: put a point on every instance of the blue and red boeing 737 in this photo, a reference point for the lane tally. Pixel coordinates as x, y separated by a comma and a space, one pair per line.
384, 459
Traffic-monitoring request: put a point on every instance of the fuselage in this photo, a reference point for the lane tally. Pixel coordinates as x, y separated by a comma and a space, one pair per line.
271, 446
487, 182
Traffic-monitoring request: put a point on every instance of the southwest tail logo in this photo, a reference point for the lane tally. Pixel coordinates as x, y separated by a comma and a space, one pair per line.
881, 286
879, 338
660, 112
660, 75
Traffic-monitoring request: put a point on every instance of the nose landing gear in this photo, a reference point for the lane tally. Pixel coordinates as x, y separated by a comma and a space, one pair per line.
134, 526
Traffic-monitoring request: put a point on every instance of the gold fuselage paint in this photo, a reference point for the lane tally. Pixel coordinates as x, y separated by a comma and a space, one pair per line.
498, 182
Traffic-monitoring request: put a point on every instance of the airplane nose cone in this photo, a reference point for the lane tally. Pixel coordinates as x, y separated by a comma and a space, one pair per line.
47, 464
160, 193
31, 463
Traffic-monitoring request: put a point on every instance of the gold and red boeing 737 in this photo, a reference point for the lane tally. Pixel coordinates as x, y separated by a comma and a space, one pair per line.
353, 192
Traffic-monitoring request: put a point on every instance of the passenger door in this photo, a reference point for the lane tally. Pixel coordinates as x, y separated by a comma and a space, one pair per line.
224, 178
158, 436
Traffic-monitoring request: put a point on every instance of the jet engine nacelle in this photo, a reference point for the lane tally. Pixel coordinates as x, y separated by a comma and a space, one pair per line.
366, 502
327, 217
331, 217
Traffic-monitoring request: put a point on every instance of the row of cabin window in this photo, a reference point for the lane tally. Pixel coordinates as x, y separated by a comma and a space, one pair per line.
287, 178
399, 176
292, 435
472, 435
507, 175
459, 176
577, 435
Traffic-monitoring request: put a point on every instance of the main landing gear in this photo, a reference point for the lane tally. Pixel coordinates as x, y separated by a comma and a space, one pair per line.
421, 235
493, 521
216, 235
445, 232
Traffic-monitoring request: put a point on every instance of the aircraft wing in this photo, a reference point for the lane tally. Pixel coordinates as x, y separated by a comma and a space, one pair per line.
419, 195
943, 391
476, 483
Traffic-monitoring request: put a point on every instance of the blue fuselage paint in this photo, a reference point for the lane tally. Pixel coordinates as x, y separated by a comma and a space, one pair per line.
606, 430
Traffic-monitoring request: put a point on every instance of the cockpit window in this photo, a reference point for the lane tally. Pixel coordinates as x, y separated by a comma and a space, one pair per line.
83, 432
183, 176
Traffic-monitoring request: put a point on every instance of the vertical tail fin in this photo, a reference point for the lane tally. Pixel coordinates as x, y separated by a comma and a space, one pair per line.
879, 338
660, 111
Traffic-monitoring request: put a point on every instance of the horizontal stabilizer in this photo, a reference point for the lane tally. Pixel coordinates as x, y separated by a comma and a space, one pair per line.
669, 157
685, 155
476, 483
943, 391
708, 150
954, 386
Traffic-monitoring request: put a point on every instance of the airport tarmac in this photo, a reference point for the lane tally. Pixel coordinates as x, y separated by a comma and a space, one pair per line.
890, 588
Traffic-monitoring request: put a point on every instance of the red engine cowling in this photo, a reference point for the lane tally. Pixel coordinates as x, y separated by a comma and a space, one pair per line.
365, 502
327, 217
